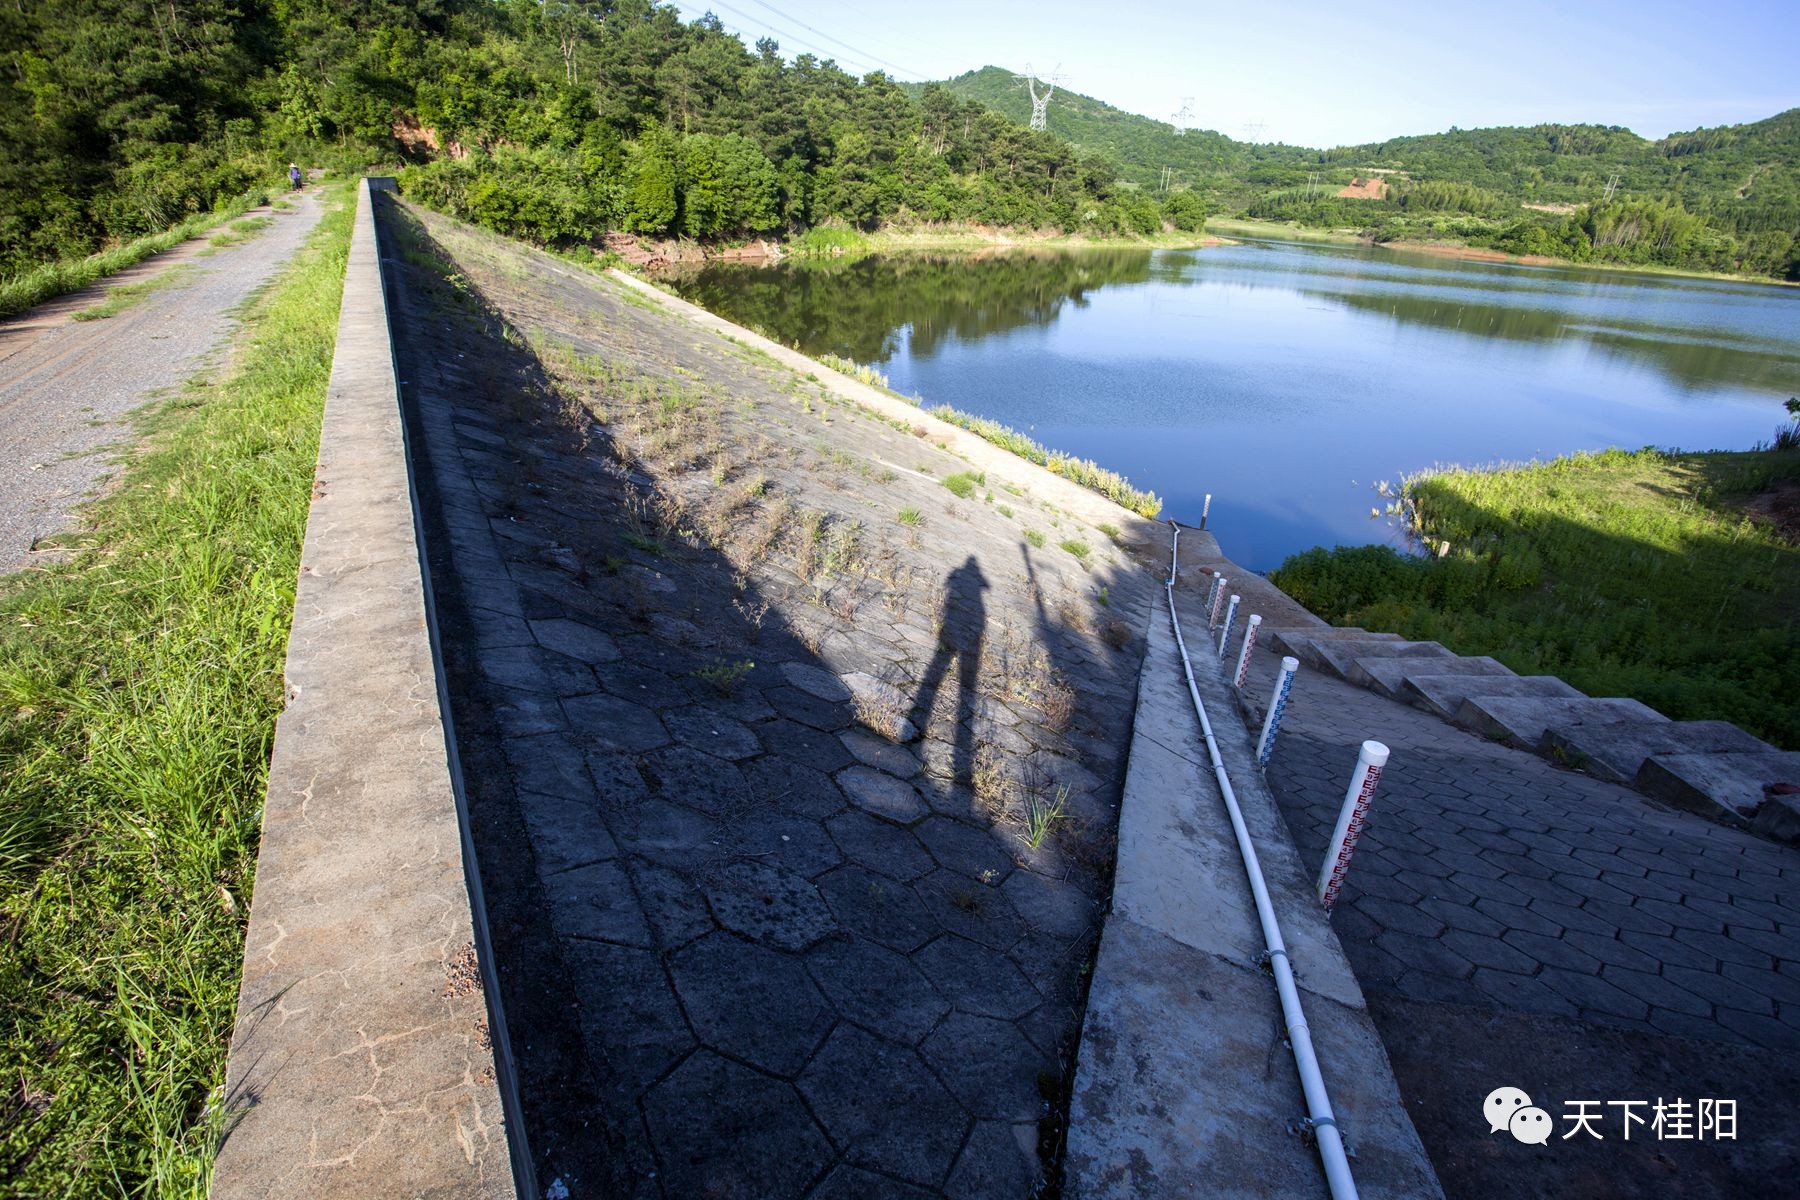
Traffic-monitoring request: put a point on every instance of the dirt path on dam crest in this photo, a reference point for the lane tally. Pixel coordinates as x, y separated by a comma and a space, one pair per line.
66, 385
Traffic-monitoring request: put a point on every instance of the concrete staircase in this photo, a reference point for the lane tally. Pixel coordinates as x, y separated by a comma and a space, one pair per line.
1708, 767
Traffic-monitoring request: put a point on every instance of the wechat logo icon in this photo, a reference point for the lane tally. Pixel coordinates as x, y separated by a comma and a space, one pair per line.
1511, 1109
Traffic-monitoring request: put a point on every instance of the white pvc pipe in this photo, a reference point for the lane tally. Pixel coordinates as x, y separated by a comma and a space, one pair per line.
1306, 1060
1230, 620
1243, 668
1212, 595
1278, 698
1205, 510
1212, 620
1351, 818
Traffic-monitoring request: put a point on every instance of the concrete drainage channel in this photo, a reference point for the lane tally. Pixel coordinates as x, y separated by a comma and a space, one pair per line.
1184, 1087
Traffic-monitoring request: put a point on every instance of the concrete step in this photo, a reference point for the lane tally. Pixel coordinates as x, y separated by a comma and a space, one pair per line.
1336, 657
1724, 787
1444, 694
1524, 720
1385, 675
1615, 751
1284, 641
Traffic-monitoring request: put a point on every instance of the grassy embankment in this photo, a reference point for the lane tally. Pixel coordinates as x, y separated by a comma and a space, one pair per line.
139, 685
1626, 573
33, 287
1281, 231
1086, 472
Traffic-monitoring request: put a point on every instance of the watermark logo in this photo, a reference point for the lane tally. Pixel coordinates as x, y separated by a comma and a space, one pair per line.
1511, 1109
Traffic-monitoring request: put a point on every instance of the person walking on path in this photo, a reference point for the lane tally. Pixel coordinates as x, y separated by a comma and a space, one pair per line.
294, 175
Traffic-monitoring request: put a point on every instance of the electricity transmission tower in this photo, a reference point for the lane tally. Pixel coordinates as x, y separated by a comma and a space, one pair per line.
1612, 185
1183, 120
1253, 130
1040, 105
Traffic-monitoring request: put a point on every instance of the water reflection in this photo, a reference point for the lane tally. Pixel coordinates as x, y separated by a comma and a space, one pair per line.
1286, 379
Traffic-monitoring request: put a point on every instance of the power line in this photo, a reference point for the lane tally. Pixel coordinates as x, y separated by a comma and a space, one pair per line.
751, 22
861, 54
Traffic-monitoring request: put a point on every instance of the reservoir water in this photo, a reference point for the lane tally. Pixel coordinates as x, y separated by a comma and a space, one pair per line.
1288, 379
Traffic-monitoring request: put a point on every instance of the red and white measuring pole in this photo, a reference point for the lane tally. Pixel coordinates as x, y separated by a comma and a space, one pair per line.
1218, 601
1244, 654
1350, 821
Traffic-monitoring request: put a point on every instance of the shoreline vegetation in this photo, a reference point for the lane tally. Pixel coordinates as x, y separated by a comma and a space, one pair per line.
1281, 231
1670, 577
140, 679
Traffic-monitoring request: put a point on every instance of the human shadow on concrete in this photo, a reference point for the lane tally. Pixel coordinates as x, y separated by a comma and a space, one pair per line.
767, 952
962, 624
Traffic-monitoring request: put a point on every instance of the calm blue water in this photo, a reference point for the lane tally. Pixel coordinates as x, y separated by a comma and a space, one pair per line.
1288, 379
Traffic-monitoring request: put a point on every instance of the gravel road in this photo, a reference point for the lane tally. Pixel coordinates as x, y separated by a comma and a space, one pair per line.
66, 386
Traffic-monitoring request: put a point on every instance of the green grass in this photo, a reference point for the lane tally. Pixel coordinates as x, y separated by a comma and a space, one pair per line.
240, 231
964, 483
139, 685
912, 518
1625, 573
1111, 484
22, 291
1035, 538
122, 296
1080, 549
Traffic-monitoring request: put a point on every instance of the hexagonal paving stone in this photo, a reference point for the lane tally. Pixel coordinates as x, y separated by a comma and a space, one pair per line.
881, 794
751, 1003
709, 731
723, 1131
977, 979
883, 1108
1052, 906
879, 846
967, 907
697, 780
581, 642
791, 787
662, 830
596, 902
995, 1162
805, 746
609, 723
629, 1017
826, 716
775, 907
989, 1066
978, 853
565, 833
798, 844
674, 907
816, 681
881, 909
875, 751
877, 988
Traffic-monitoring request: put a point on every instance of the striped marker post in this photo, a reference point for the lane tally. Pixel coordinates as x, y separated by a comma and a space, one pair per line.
1351, 819
1278, 700
1212, 594
1244, 654
1230, 620
1205, 509
1218, 602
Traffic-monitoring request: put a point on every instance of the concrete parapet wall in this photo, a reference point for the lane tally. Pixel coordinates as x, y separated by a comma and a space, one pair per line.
363, 1062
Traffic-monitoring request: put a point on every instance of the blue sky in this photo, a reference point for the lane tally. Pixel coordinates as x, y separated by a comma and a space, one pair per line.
1323, 74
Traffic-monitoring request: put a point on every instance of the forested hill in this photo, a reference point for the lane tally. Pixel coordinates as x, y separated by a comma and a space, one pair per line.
549, 120
1723, 199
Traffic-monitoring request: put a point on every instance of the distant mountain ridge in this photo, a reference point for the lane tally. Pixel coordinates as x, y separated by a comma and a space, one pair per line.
1504, 186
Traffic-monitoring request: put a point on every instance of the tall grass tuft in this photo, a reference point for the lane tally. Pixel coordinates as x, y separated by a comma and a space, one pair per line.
139, 685
1090, 475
